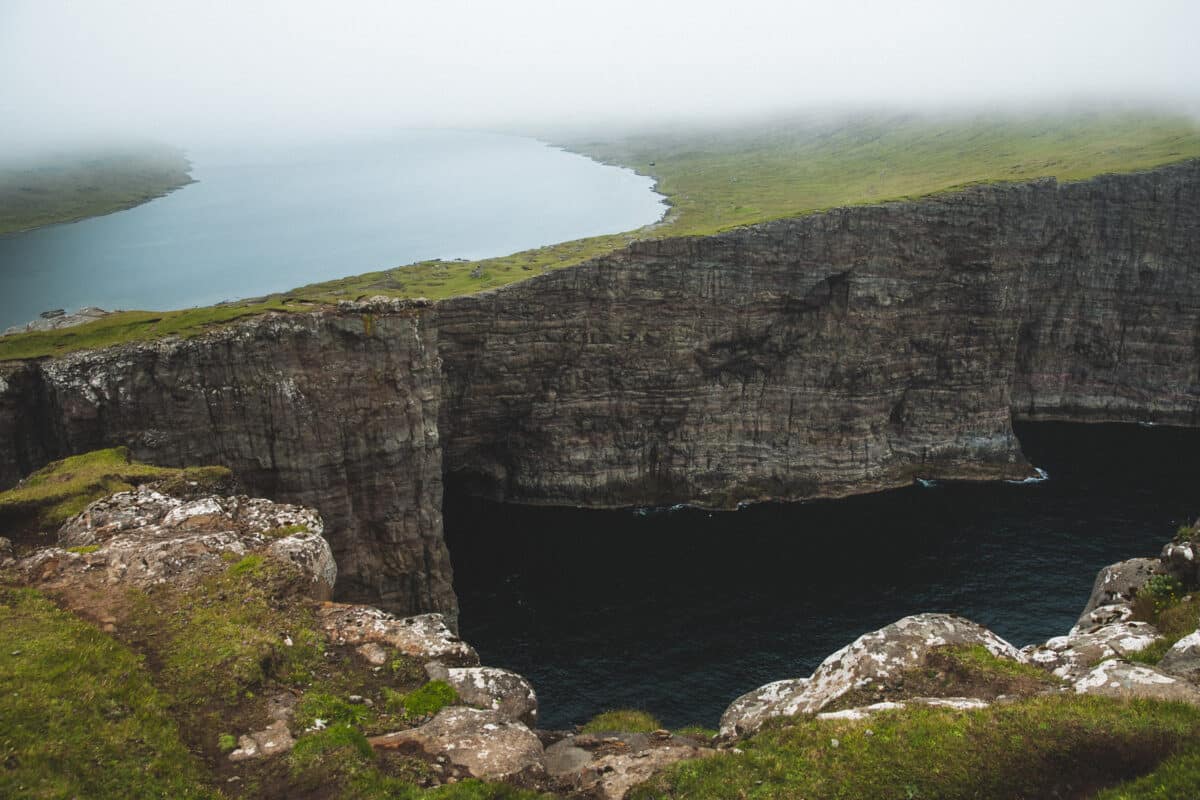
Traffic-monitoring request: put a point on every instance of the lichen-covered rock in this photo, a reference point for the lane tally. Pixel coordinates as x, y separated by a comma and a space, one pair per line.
1115, 587
874, 656
490, 687
483, 742
1073, 656
143, 538
425, 637
1183, 659
747, 713
1121, 679
274, 739
609, 767
863, 712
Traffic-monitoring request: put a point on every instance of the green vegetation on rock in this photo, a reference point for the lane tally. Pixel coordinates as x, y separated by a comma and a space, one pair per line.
80, 716
62, 489
63, 187
720, 178
622, 721
1064, 746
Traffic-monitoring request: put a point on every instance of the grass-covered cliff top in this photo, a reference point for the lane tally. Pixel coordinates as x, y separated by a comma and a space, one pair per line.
60, 490
720, 178
49, 188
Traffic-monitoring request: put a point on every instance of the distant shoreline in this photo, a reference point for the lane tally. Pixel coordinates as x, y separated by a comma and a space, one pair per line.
69, 187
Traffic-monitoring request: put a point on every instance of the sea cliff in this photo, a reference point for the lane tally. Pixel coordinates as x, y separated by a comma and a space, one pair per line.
839, 352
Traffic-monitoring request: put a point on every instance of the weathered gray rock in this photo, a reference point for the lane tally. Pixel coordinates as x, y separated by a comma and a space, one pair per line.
484, 743
874, 656
609, 767
1183, 659
1115, 587
490, 687
1121, 679
1182, 560
144, 538
863, 712
425, 636
274, 739
747, 713
1073, 656
59, 318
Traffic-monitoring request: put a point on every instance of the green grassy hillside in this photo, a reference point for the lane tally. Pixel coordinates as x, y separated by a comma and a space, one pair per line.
721, 178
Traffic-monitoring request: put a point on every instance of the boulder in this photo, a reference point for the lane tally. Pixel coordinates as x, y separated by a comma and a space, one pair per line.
875, 656
484, 743
1183, 659
1073, 656
1121, 679
1182, 560
425, 636
747, 713
490, 687
608, 767
1117, 584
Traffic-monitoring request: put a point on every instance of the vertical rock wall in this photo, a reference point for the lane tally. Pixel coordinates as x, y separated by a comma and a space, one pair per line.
335, 410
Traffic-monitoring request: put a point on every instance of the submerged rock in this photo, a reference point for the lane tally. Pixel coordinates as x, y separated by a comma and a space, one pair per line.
874, 656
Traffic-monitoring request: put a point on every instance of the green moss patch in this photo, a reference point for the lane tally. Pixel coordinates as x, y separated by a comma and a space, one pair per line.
1061, 746
80, 715
60, 490
622, 721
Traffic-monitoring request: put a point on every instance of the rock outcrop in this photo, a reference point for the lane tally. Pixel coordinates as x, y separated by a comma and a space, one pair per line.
835, 353
142, 538
872, 657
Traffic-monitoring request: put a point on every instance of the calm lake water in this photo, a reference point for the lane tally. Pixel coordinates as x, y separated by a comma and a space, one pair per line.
271, 218
679, 612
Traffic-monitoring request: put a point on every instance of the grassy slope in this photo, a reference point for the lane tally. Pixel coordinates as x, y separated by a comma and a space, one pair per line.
1063, 746
79, 716
718, 179
70, 186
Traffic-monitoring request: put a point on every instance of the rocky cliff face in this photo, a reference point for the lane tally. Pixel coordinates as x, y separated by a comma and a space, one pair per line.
835, 353
337, 410
840, 352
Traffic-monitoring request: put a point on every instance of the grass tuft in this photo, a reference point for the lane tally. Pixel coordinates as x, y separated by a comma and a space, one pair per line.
622, 721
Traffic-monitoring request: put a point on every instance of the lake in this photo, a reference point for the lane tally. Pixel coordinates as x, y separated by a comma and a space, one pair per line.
274, 216
678, 612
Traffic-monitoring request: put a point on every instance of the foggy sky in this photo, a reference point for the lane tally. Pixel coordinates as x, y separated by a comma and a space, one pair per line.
182, 70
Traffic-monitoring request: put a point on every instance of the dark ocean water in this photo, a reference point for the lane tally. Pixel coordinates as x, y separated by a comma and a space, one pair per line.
276, 215
679, 612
